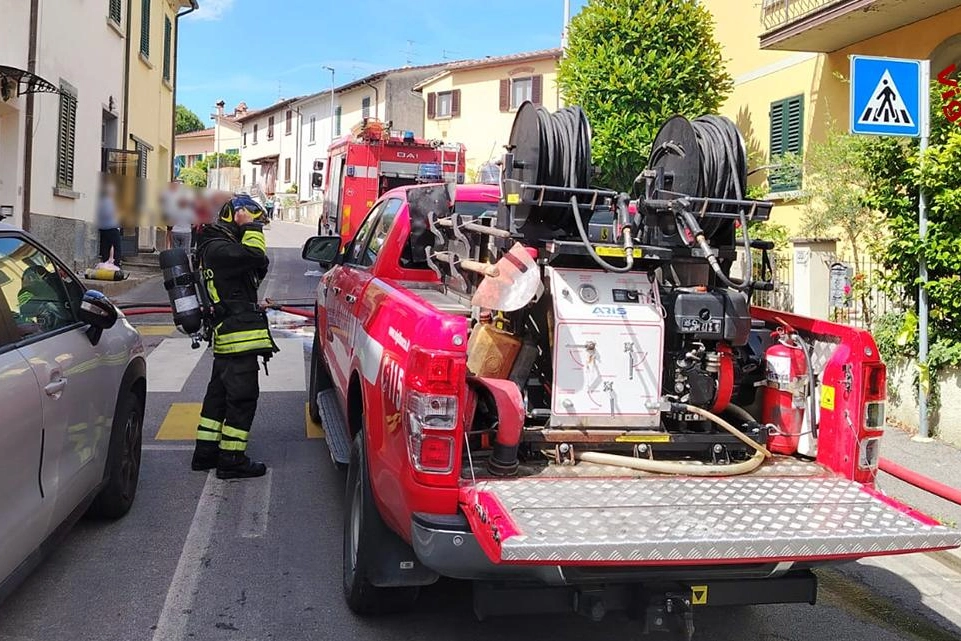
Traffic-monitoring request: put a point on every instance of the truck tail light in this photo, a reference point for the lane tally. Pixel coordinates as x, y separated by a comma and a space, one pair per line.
430, 419
434, 383
875, 393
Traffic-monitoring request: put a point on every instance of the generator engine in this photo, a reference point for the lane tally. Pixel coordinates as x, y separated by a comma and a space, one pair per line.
707, 358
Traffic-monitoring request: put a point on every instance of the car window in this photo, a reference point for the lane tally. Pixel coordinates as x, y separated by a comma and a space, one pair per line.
355, 252
381, 230
40, 296
475, 209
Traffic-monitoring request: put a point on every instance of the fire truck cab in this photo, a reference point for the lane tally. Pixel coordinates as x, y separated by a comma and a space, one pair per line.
373, 159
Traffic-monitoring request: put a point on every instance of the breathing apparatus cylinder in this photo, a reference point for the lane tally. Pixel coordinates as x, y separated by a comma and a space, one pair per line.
181, 286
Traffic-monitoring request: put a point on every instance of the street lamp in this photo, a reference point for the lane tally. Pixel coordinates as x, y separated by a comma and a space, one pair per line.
331, 70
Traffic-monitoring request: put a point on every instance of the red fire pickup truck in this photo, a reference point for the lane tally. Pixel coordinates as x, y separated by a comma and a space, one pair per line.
460, 467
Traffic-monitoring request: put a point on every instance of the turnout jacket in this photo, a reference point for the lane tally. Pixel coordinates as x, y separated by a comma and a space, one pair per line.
233, 262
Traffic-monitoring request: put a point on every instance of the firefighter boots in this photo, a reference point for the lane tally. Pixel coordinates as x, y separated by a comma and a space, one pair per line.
236, 465
205, 457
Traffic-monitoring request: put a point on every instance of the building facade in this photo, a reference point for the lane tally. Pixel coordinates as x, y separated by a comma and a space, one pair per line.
473, 102
316, 133
791, 80
270, 150
71, 114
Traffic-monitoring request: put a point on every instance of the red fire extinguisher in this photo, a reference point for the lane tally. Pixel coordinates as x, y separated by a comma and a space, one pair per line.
784, 395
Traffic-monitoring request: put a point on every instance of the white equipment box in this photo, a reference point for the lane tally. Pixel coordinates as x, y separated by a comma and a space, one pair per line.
608, 347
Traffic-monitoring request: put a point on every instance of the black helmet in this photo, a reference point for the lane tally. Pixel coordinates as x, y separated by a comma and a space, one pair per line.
238, 202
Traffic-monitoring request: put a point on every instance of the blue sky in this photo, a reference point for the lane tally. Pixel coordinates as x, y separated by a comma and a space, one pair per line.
260, 50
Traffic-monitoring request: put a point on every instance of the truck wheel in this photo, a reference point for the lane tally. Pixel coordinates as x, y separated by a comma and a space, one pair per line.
319, 380
123, 460
364, 532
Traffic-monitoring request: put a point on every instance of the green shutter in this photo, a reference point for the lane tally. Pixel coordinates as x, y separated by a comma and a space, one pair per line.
115, 11
787, 136
167, 32
66, 138
145, 28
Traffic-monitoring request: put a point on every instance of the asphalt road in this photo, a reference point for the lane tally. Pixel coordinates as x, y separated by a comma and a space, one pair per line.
198, 558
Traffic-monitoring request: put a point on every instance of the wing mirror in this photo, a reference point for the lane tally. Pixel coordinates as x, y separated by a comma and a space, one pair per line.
97, 311
321, 249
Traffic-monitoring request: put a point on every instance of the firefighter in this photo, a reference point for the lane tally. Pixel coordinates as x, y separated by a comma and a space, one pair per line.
232, 255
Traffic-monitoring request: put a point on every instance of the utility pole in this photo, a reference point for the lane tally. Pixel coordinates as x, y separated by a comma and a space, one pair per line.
567, 22
331, 70
924, 381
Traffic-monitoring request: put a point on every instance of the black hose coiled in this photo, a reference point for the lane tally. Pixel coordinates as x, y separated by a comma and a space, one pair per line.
723, 167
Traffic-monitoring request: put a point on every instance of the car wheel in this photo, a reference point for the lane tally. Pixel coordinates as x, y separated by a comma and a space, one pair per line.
364, 532
319, 380
123, 460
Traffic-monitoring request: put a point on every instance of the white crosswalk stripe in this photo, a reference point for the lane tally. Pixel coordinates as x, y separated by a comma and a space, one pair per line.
172, 362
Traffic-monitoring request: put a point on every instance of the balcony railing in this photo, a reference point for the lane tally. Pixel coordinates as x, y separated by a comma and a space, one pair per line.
777, 13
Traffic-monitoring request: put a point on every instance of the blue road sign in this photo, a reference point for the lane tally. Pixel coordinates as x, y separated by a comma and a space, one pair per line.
886, 96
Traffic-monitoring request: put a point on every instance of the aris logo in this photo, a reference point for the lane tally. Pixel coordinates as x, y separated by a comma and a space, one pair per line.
952, 109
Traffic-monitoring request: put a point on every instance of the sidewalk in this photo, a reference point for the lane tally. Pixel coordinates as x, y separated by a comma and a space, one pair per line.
937, 460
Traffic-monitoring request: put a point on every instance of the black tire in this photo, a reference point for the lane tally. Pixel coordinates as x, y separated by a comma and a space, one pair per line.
364, 532
319, 380
123, 460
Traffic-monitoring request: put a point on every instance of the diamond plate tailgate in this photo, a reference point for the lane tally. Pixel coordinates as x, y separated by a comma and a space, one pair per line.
678, 520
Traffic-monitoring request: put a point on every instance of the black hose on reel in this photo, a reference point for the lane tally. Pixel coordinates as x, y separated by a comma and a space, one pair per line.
551, 149
723, 165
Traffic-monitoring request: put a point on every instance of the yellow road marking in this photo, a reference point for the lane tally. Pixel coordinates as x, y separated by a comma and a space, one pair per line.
156, 330
314, 430
180, 424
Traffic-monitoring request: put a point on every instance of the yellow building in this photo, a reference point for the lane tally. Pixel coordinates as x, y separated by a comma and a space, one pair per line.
148, 124
473, 102
787, 86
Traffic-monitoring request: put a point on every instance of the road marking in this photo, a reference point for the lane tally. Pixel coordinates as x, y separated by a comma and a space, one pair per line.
180, 424
314, 430
286, 368
172, 624
156, 330
166, 447
170, 364
255, 509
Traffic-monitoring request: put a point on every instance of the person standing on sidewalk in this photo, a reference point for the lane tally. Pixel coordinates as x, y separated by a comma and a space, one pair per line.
233, 260
108, 224
182, 217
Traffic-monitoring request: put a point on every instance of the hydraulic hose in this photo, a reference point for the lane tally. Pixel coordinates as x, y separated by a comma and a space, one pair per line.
740, 411
672, 467
628, 244
688, 469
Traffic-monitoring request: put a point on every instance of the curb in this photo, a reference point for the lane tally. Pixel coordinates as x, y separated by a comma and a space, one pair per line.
114, 288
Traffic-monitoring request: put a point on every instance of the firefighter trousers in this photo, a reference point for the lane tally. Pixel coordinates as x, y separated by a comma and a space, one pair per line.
230, 403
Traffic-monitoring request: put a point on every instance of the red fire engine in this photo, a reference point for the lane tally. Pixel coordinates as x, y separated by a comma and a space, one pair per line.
372, 160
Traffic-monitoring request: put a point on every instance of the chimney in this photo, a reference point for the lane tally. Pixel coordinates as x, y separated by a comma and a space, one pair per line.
220, 107
240, 109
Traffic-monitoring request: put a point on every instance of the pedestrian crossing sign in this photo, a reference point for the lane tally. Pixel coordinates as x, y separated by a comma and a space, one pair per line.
886, 96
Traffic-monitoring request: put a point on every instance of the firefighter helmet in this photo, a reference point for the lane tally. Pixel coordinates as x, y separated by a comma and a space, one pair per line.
238, 202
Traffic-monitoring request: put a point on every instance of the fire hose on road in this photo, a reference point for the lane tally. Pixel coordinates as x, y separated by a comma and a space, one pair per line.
946, 492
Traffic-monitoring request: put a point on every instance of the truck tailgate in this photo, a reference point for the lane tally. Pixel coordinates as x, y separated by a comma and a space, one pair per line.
684, 520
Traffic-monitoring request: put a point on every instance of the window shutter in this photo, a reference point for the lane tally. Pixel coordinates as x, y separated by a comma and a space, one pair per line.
145, 28
287, 170
505, 94
537, 89
338, 112
431, 104
167, 32
287, 126
787, 136
115, 11
455, 103
66, 138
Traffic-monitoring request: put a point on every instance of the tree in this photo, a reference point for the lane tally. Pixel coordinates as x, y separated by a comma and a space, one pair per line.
187, 121
631, 65
837, 189
195, 176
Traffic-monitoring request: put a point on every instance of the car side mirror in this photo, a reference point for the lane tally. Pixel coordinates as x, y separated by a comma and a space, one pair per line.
97, 311
321, 249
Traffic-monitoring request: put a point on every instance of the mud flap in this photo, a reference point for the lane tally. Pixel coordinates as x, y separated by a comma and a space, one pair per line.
697, 521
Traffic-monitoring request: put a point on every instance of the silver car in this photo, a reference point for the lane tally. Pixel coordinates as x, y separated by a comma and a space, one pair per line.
72, 391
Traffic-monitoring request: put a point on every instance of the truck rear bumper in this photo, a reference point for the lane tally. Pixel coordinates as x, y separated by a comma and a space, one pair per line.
445, 544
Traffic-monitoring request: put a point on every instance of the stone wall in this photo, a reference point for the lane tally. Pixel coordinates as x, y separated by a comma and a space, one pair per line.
74, 241
945, 422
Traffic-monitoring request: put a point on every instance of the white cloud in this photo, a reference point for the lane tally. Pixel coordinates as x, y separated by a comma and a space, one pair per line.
212, 9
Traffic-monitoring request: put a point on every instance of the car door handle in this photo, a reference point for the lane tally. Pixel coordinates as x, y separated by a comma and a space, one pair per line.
336, 290
53, 388
350, 298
